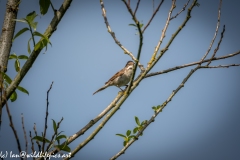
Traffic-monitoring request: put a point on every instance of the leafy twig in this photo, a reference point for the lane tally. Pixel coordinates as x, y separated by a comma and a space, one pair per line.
154, 115
55, 133
28, 64
91, 123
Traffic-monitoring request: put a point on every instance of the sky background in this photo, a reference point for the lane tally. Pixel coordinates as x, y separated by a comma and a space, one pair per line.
201, 122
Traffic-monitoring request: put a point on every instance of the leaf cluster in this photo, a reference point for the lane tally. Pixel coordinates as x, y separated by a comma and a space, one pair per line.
128, 137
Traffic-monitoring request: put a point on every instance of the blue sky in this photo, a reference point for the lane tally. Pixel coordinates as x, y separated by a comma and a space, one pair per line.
201, 121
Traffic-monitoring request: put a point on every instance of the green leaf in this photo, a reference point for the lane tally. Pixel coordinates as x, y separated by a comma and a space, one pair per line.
54, 126
29, 49
22, 90
20, 32
13, 96
13, 56
44, 5
30, 17
144, 122
7, 78
39, 138
64, 148
20, 20
34, 25
141, 24
17, 65
135, 130
121, 135
132, 136
41, 35
59, 133
22, 57
124, 143
128, 132
154, 108
61, 137
137, 120
41, 44
133, 25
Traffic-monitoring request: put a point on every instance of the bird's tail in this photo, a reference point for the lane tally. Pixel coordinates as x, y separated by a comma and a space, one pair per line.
104, 87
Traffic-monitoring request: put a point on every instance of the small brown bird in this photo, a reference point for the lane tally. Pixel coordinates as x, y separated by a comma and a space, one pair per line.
121, 78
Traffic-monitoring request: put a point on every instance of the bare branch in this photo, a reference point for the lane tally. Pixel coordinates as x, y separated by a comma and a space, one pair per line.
216, 32
153, 6
183, 9
190, 64
220, 66
30, 135
153, 58
114, 37
33, 56
219, 43
135, 8
25, 135
153, 15
46, 118
12, 126
35, 131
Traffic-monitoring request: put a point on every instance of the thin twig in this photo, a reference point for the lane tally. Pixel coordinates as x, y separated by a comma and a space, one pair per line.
190, 64
153, 60
153, 15
220, 66
12, 126
55, 133
25, 135
216, 31
30, 135
54, 10
114, 37
153, 6
45, 127
129, 2
219, 43
136, 7
35, 131
183, 9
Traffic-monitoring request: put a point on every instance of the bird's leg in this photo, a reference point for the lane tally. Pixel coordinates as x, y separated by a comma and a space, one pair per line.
120, 88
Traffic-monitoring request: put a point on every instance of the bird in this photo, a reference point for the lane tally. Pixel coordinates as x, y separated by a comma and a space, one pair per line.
121, 78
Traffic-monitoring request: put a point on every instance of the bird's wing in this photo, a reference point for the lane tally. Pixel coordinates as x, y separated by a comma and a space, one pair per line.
118, 74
